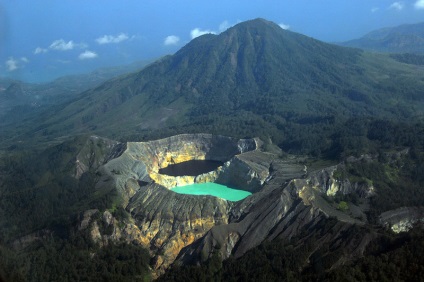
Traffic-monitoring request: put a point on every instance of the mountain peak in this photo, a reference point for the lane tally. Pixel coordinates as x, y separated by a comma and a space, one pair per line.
259, 21
254, 68
258, 24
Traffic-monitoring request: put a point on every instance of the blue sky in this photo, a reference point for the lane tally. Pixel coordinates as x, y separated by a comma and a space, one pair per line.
43, 39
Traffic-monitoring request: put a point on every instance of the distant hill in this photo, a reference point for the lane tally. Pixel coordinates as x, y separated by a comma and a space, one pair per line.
81, 82
18, 98
67, 85
254, 78
408, 38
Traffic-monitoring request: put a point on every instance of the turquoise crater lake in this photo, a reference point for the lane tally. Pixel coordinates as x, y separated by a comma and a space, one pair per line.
213, 189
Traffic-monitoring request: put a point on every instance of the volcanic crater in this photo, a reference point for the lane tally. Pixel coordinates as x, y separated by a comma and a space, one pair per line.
191, 158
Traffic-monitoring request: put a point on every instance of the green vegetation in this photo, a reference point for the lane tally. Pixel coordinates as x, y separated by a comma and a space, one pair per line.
38, 190
396, 176
75, 258
387, 258
391, 161
408, 58
343, 206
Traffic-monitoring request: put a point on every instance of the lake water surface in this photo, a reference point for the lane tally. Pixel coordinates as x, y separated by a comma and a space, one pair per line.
213, 189
190, 168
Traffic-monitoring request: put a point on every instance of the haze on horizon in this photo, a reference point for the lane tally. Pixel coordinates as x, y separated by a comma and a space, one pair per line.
42, 40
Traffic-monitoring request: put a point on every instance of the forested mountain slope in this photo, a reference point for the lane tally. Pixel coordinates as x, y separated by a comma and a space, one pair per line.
255, 72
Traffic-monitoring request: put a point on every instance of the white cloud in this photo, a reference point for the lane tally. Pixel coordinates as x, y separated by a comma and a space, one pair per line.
11, 64
198, 32
107, 39
14, 64
397, 6
224, 26
40, 50
87, 55
284, 26
61, 45
419, 5
375, 9
171, 40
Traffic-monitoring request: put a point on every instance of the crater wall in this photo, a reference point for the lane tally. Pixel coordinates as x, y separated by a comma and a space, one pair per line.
164, 221
141, 161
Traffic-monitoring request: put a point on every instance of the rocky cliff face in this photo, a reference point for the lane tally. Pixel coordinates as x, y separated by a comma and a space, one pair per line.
169, 221
326, 182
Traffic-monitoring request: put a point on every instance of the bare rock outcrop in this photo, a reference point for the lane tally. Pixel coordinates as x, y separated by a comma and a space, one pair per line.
326, 182
402, 219
168, 221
